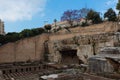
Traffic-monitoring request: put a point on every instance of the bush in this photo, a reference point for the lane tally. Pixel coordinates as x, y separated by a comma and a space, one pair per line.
13, 36
111, 15
48, 27
84, 24
94, 16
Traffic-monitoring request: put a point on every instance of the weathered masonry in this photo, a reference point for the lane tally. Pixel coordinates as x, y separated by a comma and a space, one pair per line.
75, 46
79, 48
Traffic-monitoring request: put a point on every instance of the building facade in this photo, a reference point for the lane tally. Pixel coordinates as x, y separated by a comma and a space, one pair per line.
2, 32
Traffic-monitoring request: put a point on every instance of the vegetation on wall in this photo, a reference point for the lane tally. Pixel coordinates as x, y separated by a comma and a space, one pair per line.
94, 16
74, 15
84, 24
48, 27
118, 6
14, 36
111, 15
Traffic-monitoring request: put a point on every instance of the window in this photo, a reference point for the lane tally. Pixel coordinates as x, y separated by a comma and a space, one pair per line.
10, 71
39, 67
29, 69
26, 69
4, 72
21, 70
16, 70
34, 68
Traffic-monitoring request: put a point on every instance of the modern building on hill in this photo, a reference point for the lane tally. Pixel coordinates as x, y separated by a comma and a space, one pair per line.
2, 32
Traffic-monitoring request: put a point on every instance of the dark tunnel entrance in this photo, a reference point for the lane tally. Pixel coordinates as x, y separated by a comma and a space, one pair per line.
69, 57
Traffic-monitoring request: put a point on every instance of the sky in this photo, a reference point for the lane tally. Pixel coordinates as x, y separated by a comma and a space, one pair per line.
27, 14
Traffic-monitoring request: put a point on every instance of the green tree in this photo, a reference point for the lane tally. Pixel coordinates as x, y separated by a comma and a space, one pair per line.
48, 27
2, 40
14, 36
37, 31
94, 16
118, 6
11, 37
41, 30
55, 20
110, 14
26, 33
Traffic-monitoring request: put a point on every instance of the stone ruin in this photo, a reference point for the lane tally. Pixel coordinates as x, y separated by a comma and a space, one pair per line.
106, 62
79, 48
83, 53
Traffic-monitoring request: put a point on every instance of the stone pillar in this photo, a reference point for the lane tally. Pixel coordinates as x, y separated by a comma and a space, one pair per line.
1, 75
84, 52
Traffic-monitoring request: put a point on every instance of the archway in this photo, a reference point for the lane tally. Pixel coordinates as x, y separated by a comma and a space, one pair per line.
69, 57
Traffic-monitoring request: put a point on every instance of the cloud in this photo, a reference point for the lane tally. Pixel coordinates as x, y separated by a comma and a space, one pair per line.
14, 10
111, 2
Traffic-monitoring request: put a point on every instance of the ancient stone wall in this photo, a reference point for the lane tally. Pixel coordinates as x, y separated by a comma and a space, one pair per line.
23, 50
86, 45
87, 41
92, 29
7, 53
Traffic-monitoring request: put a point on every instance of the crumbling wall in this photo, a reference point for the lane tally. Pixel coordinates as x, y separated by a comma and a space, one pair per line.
87, 41
93, 29
107, 61
84, 52
99, 65
86, 45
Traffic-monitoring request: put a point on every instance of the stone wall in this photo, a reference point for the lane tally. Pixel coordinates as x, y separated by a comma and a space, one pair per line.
107, 61
23, 50
87, 41
92, 29
86, 45
81, 77
99, 65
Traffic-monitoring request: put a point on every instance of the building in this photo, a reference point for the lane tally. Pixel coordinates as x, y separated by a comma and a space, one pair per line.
2, 32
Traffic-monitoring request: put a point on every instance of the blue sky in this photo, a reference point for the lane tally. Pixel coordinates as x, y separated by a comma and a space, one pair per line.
26, 14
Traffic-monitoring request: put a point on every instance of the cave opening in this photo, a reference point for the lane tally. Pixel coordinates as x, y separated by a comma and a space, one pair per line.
69, 57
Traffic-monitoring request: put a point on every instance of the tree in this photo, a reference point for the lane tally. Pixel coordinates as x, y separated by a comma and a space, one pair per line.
84, 12
118, 6
94, 16
110, 14
26, 33
14, 36
55, 20
37, 31
74, 15
70, 16
11, 37
2, 40
48, 27
41, 30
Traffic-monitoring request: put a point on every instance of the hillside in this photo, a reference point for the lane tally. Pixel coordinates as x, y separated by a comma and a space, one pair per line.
102, 27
